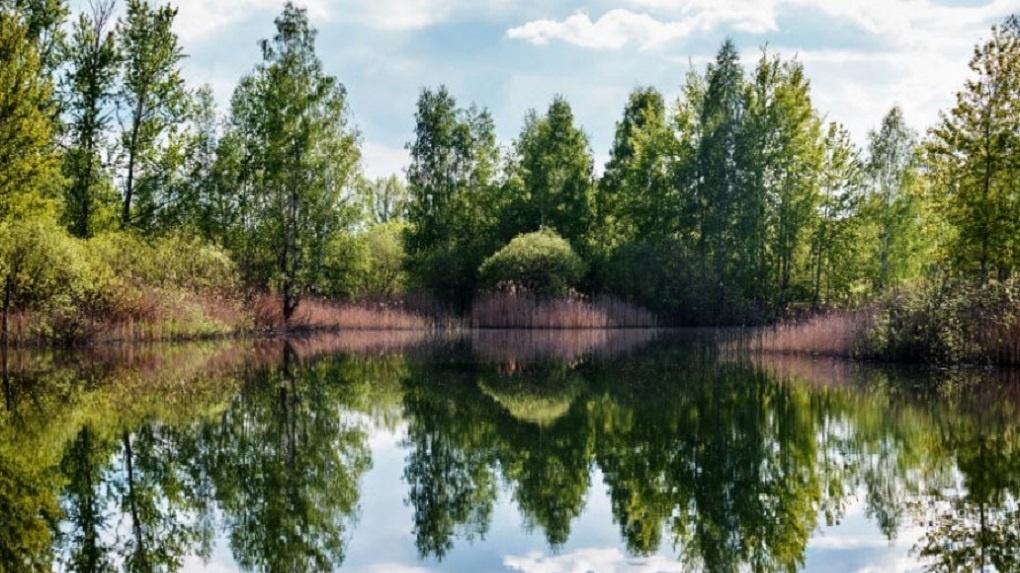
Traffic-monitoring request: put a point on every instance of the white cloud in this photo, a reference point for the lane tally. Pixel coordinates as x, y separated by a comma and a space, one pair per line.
904, 23
202, 18
753, 16
613, 30
585, 560
395, 568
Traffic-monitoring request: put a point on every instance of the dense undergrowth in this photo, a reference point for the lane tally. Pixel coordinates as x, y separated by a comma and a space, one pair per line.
936, 322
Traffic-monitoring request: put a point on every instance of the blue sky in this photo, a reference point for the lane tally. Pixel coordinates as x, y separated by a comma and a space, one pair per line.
862, 56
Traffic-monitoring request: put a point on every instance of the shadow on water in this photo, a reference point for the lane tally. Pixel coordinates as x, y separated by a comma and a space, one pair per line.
146, 458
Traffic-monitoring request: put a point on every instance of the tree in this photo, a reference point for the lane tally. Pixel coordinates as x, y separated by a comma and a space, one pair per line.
721, 119
298, 156
152, 94
892, 170
88, 84
192, 197
972, 152
454, 204
43, 21
636, 195
385, 199
835, 245
28, 158
554, 169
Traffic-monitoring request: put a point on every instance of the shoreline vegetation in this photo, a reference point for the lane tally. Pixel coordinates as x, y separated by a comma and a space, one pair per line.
133, 209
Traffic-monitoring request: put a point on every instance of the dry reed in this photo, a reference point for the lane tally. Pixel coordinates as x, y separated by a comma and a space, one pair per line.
834, 334
322, 315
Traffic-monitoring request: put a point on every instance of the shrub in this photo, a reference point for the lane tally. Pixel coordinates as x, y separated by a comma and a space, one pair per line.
541, 262
947, 322
41, 268
116, 285
364, 266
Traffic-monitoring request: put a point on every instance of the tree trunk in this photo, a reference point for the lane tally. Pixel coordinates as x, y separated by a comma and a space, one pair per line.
125, 218
5, 323
137, 524
8, 392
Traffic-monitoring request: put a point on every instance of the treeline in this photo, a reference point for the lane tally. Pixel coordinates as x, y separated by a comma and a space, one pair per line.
737, 203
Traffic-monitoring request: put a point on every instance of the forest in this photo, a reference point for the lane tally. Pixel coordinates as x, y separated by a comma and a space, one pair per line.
132, 207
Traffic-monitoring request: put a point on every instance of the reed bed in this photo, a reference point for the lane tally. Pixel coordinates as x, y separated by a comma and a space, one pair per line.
835, 334
526, 311
322, 315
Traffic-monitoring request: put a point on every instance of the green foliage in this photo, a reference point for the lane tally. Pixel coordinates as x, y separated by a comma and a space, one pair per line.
541, 262
88, 85
893, 206
297, 154
70, 286
43, 21
454, 196
838, 260
384, 199
42, 268
550, 179
637, 195
28, 159
666, 278
947, 322
153, 94
972, 155
367, 265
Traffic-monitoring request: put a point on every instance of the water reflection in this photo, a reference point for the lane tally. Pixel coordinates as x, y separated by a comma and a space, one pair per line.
150, 458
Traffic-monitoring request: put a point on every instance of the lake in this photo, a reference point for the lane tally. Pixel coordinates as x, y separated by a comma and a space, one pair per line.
533, 452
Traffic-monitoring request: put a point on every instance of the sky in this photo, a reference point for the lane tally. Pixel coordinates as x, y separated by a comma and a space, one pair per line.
862, 56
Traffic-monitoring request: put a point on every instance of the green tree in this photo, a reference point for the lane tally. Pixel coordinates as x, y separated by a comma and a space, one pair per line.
837, 257
892, 174
298, 156
28, 158
780, 156
192, 198
89, 86
453, 195
43, 21
721, 117
153, 97
972, 153
385, 199
637, 193
553, 174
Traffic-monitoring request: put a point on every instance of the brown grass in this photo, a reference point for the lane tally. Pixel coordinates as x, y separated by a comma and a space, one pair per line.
507, 310
322, 315
834, 334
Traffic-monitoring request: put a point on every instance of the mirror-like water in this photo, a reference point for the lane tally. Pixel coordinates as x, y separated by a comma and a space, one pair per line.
528, 452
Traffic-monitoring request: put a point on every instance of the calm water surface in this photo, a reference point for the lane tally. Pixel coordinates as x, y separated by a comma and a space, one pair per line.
517, 452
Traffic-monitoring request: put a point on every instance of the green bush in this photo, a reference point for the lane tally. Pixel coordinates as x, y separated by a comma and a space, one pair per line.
366, 265
947, 322
41, 266
541, 262
69, 289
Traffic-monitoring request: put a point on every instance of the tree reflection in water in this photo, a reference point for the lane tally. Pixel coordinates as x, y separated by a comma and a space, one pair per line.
137, 463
